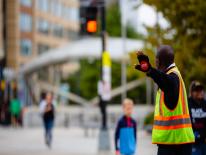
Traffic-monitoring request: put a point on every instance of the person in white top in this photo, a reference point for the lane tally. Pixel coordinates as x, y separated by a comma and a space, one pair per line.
104, 97
47, 111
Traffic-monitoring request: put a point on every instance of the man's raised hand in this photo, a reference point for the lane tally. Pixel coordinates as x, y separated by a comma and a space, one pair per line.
144, 64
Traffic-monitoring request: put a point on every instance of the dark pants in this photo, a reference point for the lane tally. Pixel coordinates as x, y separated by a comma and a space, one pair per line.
199, 149
48, 126
184, 149
103, 110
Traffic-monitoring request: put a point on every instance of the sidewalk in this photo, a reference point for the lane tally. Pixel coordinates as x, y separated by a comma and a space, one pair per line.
66, 142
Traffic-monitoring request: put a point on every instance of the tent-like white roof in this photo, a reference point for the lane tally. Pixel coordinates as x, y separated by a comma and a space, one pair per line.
84, 48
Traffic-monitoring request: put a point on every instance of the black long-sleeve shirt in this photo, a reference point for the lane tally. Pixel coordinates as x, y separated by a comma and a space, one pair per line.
168, 83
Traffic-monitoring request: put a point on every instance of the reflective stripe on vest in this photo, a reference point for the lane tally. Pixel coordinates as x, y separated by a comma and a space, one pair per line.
178, 123
173, 122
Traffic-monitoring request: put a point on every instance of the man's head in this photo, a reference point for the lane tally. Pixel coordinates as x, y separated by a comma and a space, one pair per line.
164, 57
197, 91
49, 98
128, 107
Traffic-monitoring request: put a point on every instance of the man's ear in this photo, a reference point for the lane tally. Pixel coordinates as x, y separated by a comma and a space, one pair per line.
158, 64
161, 66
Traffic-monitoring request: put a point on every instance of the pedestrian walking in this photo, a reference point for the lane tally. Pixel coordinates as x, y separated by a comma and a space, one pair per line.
47, 110
197, 106
104, 96
15, 110
172, 128
126, 130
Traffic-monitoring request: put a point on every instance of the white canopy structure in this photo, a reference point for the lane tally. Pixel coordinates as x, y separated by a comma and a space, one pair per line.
84, 48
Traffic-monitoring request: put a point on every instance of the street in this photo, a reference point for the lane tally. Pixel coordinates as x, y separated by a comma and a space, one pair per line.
70, 141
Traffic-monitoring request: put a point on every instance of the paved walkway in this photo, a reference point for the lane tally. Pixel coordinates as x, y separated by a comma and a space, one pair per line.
66, 142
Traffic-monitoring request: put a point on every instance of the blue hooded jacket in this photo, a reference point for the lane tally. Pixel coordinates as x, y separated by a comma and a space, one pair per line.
125, 136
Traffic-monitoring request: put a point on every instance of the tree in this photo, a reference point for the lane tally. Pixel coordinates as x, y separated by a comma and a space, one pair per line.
84, 82
187, 28
113, 21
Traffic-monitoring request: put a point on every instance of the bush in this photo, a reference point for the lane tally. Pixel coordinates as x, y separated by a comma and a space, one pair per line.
149, 119
148, 122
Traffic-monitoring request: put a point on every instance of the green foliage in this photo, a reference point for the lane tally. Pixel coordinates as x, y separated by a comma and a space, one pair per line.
149, 119
131, 33
84, 82
138, 95
113, 21
89, 74
187, 35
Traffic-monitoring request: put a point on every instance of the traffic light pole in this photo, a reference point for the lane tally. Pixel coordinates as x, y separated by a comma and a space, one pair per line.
104, 140
103, 27
103, 104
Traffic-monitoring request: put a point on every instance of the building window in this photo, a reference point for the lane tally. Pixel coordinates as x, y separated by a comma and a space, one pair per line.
74, 14
58, 9
43, 5
53, 6
42, 48
57, 30
64, 12
43, 26
25, 22
27, 3
26, 47
70, 13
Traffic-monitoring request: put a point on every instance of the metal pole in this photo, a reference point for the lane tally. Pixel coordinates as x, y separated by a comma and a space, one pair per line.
104, 139
103, 103
124, 36
158, 42
103, 26
123, 64
101, 10
148, 91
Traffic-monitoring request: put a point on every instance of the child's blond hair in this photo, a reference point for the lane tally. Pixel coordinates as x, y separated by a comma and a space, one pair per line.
127, 101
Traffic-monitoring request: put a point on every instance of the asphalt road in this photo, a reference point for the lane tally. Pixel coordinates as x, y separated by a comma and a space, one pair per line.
65, 142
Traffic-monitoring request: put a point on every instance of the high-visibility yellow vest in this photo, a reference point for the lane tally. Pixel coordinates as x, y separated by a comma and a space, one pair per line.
172, 126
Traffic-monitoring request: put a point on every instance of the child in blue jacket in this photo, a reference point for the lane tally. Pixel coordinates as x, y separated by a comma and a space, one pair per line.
125, 134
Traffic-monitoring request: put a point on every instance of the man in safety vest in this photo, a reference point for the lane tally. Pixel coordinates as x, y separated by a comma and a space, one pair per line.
172, 129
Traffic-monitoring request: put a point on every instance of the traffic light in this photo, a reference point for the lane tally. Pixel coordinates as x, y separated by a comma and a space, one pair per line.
91, 26
88, 20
